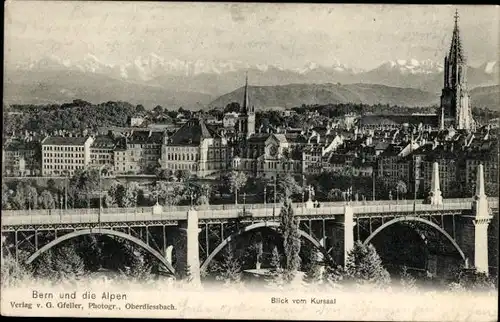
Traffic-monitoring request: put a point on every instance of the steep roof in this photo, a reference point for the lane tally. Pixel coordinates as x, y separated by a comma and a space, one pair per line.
192, 133
146, 137
103, 142
413, 119
16, 145
64, 140
258, 137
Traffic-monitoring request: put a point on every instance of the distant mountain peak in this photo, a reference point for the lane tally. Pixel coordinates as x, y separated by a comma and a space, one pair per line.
413, 66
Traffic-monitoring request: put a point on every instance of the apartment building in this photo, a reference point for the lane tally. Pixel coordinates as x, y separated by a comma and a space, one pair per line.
21, 157
102, 152
63, 155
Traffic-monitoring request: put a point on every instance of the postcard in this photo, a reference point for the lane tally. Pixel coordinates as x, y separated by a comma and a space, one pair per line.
278, 161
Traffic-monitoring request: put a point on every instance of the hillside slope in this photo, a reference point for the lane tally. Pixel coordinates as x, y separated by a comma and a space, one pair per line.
62, 86
287, 96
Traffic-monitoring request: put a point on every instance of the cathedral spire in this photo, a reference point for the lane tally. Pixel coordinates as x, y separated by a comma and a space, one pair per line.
456, 53
455, 108
244, 108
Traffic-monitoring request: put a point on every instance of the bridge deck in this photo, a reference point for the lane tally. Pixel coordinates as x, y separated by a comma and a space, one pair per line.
114, 215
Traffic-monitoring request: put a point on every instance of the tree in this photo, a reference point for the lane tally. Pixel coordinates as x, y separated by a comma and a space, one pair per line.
12, 273
289, 225
275, 279
314, 274
111, 197
334, 194
19, 201
82, 184
32, 196
158, 109
408, 282
109, 201
275, 259
286, 186
47, 200
490, 189
237, 180
130, 196
168, 193
401, 189
140, 109
202, 200
139, 269
61, 263
51, 184
6, 195
334, 276
364, 266
471, 279
229, 269
183, 175
232, 107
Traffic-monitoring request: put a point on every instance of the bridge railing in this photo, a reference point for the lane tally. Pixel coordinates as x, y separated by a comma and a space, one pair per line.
91, 218
388, 208
214, 210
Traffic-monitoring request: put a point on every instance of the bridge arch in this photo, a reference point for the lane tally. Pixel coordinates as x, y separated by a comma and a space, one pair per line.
422, 220
109, 232
226, 241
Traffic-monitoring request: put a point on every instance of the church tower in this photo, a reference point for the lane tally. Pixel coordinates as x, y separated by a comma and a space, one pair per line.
455, 99
246, 119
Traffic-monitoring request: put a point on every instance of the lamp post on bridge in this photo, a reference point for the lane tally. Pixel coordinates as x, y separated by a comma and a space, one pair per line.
100, 197
373, 185
274, 200
60, 205
244, 202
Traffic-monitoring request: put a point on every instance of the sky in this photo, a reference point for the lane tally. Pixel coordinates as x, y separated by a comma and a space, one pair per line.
285, 35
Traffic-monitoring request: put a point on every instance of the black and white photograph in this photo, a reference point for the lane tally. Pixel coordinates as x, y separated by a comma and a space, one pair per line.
229, 160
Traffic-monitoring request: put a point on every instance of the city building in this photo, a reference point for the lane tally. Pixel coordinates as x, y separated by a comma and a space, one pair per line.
271, 154
136, 121
63, 155
143, 151
102, 152
21, 157
196, 147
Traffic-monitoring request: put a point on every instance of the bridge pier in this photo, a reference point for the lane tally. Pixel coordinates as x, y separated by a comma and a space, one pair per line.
342, 236
348, 231
187, 247
473, 231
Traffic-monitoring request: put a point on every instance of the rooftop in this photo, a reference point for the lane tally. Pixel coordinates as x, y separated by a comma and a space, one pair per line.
430, 119
64, 140
147, 137
193, 132
103, 142
17, 145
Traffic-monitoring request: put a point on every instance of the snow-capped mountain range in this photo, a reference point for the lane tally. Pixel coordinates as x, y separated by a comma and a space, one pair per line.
151, 66
197, 82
